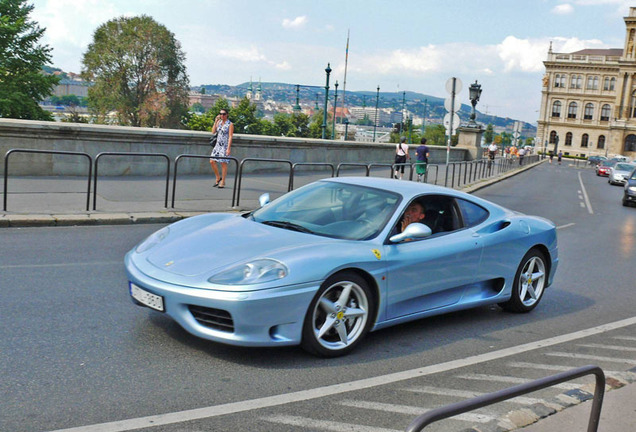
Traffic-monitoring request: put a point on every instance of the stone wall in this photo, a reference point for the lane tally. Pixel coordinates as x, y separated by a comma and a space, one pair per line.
95, 139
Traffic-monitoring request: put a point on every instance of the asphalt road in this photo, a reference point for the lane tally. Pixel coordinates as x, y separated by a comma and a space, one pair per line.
76, 353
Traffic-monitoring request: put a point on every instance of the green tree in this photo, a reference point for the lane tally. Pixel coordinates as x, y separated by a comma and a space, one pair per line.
244, 118
22, 83
204, 122
315, 125
138, 69
489, 133
435, 135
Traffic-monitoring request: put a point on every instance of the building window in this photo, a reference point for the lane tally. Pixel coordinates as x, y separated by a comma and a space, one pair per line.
559, 80
601, 142
609, 83
556, 109
605, 112
585, 140
576, 81
572, 110
592, 83
568, 139
553, 137
630, 143
612, 84
589, 111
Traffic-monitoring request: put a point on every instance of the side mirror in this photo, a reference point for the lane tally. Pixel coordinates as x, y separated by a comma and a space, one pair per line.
413, 231
263, 200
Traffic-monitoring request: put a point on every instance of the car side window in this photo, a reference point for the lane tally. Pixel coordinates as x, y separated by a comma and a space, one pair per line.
441, 213
472, 214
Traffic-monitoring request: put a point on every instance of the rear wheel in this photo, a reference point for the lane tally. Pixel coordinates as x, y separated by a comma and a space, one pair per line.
339, 316
529, 284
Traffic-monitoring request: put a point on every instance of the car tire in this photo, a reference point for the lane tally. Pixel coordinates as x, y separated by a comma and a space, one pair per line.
625, 203
529, 283
339, 316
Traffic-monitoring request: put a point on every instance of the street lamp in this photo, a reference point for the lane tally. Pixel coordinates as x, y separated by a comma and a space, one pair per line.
324, 117
556, 143
375, 121
474, 92
297, 107
346, 122
335, 106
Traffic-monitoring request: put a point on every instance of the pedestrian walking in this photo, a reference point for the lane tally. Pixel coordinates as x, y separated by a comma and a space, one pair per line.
224, 129
421, 156
521, 153
401, 155
551, 153
559, 157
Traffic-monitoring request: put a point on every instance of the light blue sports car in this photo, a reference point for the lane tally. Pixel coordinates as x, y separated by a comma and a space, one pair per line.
323, 265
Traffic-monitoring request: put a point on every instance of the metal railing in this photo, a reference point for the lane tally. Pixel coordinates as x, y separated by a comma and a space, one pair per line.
352, 164
183, 156
451, 410
100, 155
315, 164
240, 173
59, 152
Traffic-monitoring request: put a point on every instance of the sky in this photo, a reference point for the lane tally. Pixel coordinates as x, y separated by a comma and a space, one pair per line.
410, 45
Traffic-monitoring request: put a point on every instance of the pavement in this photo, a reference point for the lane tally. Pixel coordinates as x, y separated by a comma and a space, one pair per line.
65, 201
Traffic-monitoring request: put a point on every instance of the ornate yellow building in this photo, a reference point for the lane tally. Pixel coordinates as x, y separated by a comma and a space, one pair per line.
588, 103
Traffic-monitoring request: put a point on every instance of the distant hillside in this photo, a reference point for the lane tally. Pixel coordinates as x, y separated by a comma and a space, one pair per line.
415, 102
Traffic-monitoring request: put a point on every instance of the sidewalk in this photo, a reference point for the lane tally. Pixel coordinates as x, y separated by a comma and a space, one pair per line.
65, 201
617, 415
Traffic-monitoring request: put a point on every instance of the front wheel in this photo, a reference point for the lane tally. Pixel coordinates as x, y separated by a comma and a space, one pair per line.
339, 316
529, 283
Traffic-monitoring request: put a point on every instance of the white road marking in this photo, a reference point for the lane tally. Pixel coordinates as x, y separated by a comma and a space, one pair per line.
629, 338
565, 226
513, 380
609, 347
313, 424
412, 410
587, 200
591, 357
310, 394
469, 394
558, 368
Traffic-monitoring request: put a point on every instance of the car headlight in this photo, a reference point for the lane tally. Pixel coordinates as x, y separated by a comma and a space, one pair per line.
153, 240
257, 271
632, 189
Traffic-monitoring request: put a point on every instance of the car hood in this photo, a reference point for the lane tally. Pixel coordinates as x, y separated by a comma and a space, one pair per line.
205, 247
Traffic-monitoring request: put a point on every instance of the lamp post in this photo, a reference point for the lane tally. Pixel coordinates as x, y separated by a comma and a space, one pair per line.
424, 117
324, 117
556, 144
297, 107
317, 107
545, 148
346, 122
375, 121
403, 111
474, 92
335, 105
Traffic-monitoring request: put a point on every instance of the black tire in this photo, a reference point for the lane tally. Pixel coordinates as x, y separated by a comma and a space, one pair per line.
529, 283
625, 203
346, 319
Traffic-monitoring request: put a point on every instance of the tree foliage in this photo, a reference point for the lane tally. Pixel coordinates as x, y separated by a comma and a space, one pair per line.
489, 133
22, 83
138, 71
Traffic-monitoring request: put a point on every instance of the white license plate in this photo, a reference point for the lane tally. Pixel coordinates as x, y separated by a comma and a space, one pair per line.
146, 298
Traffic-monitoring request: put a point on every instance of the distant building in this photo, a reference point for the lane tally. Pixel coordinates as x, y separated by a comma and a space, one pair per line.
588, 103
207, 101
72, 87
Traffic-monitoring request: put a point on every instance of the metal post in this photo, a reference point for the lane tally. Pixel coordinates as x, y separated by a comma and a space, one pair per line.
346, 122
297, 107
324, 117
375, 121
335, 106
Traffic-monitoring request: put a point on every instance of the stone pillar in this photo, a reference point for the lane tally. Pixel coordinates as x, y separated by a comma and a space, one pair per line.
470, 139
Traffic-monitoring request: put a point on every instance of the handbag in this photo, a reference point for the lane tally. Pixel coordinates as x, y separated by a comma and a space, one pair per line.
213, 139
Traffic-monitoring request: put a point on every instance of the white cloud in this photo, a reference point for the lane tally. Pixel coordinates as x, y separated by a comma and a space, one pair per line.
297, 22
250, 54
563, 9
283, 66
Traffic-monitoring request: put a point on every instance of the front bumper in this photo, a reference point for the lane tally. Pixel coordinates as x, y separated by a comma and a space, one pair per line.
271, 317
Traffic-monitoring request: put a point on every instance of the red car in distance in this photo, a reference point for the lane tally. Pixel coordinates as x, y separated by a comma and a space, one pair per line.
603, 168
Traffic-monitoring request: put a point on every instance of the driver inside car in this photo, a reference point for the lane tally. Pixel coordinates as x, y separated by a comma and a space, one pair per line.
415, 212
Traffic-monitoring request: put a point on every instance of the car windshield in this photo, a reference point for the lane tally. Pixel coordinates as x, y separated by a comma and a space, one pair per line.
608, 164
331, 209
624, 167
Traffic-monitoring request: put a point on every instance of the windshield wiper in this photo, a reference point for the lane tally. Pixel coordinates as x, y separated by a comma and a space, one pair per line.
288, 225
